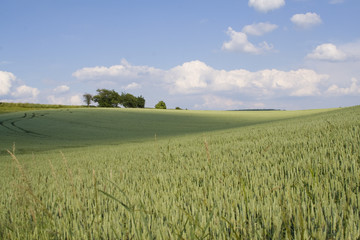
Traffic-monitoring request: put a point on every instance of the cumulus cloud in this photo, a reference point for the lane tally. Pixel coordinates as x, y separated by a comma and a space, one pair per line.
124, 70
61, 89
328, 52
25, 93
190, 77
197, 77
239, 42
65, 100
75, 100
331, 52
353, 89
132, 85
259, 29
306, 20
6, 79
266, 5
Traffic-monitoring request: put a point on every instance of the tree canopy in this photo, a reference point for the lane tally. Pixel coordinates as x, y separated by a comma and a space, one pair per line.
107, 98
160, 105
88, 98
110, 98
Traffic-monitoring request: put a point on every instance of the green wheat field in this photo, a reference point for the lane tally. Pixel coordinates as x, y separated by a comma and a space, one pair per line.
92, 173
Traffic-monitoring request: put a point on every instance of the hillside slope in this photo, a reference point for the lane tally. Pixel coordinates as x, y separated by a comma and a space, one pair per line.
33, 131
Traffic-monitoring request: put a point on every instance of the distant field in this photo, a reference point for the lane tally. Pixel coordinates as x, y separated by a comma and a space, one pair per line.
102, 174
16, 107
39, 130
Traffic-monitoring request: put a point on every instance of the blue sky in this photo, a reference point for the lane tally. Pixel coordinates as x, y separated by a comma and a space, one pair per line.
198, 54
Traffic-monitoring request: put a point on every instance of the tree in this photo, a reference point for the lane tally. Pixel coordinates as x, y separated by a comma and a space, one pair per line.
107, 98
128, 100
110, 98
160, 105
140, 102
88, 98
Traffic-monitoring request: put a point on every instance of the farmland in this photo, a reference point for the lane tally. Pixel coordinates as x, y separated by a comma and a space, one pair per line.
147, 174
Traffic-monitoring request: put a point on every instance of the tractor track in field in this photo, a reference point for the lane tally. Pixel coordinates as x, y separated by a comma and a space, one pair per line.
11, 124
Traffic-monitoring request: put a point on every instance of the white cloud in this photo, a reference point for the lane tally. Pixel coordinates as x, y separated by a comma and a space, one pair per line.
124, 70
52, 99
132, 85
65, 100
353, 89
328, 52
189, 78
6, 79
266, 5
76, 100
259, 29
215, 102
306, 20
26, 92
197, 77
239, 42
61, 89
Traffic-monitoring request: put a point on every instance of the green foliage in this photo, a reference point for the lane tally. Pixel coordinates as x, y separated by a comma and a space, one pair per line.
87, 98
295, 178
160, 105
107, 98
110, 98
140, 102
130, 101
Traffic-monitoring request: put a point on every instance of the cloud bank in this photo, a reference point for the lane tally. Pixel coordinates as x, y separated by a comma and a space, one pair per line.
196, 77
203, 86
12, 91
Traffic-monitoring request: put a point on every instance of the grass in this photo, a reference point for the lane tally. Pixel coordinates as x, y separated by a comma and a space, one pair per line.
16, 107
240, 175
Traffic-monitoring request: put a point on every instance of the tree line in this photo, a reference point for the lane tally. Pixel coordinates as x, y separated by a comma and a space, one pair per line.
111, 98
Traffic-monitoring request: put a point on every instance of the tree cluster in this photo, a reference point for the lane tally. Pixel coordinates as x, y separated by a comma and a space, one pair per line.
110, 98
160, 105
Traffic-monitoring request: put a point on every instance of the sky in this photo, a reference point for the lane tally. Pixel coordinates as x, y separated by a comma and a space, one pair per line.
193, 54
